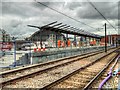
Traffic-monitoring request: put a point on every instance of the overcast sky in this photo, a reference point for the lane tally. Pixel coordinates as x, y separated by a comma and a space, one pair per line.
15, 16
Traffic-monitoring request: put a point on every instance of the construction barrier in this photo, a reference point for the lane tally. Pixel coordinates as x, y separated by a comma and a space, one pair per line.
69, 43
39, 49
35, 49
59, 43
44, 47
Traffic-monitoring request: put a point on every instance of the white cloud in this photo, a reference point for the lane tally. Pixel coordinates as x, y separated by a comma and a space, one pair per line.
17, 15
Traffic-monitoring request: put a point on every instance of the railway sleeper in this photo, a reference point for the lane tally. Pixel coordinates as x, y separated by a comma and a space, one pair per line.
73, 83
79, 79
88, 73
95, 69
65, 86
81, 76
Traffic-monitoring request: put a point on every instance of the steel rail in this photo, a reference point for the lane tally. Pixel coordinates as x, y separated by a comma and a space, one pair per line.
100, 73
47, 63
44, 70
47, 69
73, 73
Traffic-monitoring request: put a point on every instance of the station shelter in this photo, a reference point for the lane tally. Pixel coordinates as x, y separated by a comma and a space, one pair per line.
57, 35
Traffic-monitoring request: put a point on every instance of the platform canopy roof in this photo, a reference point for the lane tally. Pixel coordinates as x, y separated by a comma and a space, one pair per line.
64, 28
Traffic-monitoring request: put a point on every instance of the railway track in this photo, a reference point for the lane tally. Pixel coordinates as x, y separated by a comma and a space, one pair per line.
14, 74
33, 67
45, 70
81, 77
112, 82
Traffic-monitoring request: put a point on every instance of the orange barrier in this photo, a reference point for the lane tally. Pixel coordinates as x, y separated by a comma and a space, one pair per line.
43, 49
35, 49
39, 49
69, 43
93, 42
59, 43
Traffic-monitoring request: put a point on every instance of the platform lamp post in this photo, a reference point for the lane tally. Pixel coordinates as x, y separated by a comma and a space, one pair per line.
14, 44
30, 50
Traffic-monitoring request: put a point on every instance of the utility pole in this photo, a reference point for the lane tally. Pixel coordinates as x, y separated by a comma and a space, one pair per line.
30, 51
116, 41
105, 39
14, 44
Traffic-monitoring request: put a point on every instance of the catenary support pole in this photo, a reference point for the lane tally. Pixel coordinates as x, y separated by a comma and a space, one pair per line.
105, 39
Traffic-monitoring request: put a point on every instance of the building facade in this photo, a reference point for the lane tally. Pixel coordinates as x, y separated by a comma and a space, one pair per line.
112, 39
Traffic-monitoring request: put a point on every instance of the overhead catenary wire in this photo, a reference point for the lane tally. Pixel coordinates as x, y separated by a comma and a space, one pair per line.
65, 15
101, 14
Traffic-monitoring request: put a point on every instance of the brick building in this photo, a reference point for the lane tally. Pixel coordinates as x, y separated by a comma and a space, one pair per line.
112, 39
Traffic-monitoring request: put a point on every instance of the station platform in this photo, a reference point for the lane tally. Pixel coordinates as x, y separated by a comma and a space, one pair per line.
31, 57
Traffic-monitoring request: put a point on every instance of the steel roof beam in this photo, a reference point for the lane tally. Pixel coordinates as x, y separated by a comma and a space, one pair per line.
71, 29
52, 27
80, 31
56, 24
65, 27
62, 26
33, 26
49, 24
58, 28
42, 26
